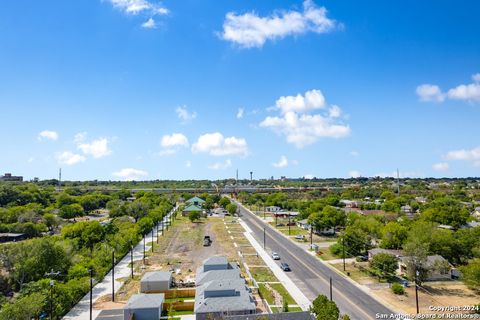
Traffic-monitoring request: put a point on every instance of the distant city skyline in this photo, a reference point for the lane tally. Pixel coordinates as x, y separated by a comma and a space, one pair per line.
146, 90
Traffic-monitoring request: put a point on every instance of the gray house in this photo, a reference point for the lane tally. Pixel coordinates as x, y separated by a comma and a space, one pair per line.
144, 307
221, 290
157, 281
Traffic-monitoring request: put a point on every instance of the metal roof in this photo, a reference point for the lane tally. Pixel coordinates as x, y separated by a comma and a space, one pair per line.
157, 276
145, 301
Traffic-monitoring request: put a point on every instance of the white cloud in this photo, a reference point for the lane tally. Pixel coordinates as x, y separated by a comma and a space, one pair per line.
184, 115
282, 163
441, 166
69, 158
466, 92
48, 135
430, 92
149, 24
139, 6
97, 148
221, 165
354, 153
167, 152
240, 113
216, 144
188, 164
174, 140
312, 99
472, 155
251, 30
130, 174
79, 137
308, 176
334, 111
354, 174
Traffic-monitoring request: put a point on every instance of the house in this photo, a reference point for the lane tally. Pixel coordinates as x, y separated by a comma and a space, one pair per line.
221, 291
406, 209
446, 227
285, 214
373, 252
438, 267
349, 203
273, 209
470, 224
303, 224
144, 307
156, 281
12, 237
195, 201
191, 208
298, 315
421, 200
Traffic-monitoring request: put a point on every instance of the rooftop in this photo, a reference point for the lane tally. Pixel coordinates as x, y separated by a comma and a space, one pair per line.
143, 301
157, 276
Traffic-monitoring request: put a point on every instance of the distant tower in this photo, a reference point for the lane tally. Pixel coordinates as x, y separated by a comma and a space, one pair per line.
59, 178
398, 182
251, 176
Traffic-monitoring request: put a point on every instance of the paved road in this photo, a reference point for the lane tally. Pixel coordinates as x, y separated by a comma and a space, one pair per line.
312, 277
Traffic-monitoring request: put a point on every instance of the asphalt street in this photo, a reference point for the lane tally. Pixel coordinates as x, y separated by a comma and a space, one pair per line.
313, 277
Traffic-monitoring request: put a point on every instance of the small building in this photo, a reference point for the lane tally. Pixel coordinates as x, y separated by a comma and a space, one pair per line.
156, 281
373, 252
212, 275
195, 201
406, 209
421, 200
191, 208
349, 203
144, 307
12, 237
304, 224
286, 214
438, 267
216, 263
9, 177
273, 209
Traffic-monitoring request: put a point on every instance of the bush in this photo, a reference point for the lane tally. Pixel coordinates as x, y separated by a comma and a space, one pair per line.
397, 288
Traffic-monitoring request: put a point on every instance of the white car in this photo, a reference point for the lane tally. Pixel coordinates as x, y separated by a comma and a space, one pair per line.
275, 256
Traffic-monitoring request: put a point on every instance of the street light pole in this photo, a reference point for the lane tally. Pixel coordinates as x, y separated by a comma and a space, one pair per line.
131, 260
91, 293
113, 276
289, 223
50, 275
152, 240
157, 232
343, 246
331, 296
144, 249
311, 237
417, 273
264, 238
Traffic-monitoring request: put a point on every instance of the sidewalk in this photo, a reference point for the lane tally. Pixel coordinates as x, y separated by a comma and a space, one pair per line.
296, 294
81, 311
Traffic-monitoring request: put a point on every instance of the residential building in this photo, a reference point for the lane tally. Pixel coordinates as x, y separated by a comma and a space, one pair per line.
155, 282
221, 291
195, 201
373, 252
144, 307
406, 209
349, 203
191, 208
273, 209
438, 267
9, 177
300, 315
304, 224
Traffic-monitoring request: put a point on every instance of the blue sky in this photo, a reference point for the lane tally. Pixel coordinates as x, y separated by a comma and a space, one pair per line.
140, 89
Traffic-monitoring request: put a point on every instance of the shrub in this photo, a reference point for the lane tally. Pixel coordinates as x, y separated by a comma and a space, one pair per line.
397, 288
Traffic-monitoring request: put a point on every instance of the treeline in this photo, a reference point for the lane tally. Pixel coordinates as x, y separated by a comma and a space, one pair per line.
73, 251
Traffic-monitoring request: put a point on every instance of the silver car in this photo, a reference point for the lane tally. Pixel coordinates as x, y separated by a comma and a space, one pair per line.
275, 256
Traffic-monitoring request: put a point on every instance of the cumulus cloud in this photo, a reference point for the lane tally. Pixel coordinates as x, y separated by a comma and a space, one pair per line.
216, 144
240, 113
136, 7
251, 30
69, 158
299, 125
282, 163
469, 155
221, 165
174, 140
97, 148
130, 174
184, 115
465, 92
308, 176
354, 174
48, 135
430, 92
441, 166
149, 24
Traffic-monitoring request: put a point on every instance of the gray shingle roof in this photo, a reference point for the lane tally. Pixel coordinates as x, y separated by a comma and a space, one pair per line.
305, 315
144, 301
157, 276
211, 275
223, 296
215, 260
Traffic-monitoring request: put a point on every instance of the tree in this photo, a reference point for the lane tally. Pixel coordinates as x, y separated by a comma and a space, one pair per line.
145, 224
92, 234
384, 263
231, 208
194, 215
51, 221
70, 211
394, 235
471, 274
329, 217
447, 211
324, 309
24, 308
137, 209
224, 202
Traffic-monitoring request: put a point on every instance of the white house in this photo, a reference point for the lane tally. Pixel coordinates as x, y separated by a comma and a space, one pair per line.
273, 209
438, 267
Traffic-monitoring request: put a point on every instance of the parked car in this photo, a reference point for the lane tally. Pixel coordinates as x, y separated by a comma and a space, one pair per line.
300, 237
207, 241
361, 258
275, 256
285, 266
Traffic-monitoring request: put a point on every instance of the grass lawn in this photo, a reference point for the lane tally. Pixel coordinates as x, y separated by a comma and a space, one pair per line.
254, 261
180, 313
283, 292
290, 309
356, 274
326, 254
294, 230
266, 294
263, 275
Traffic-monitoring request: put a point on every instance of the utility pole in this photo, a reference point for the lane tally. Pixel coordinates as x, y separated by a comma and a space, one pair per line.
113, 276
157, 232
91, 293
417, 273
264, 238
152, 240
311, 237
131, 260
331, 289
51, 274
343, 246
144, 254
289, 223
